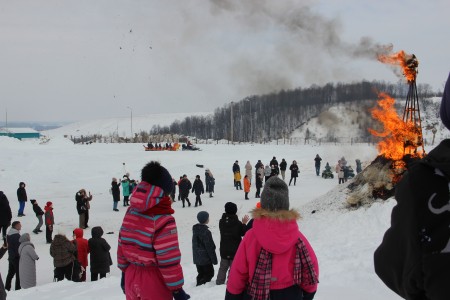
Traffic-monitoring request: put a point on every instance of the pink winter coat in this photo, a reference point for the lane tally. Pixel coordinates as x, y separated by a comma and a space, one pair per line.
148, 250
277, 232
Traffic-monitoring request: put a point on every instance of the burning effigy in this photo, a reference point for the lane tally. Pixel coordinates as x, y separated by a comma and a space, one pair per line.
401, 139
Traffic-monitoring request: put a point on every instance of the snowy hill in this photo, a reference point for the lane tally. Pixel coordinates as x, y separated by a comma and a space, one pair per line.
120, 126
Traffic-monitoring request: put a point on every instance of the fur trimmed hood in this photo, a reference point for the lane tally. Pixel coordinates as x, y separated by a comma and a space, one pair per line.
276, 231
282, 215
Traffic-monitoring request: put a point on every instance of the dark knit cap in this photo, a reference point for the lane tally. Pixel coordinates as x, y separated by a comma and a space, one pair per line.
156, 174
33, 201
202, 217
275, 195
231, 208
445, 105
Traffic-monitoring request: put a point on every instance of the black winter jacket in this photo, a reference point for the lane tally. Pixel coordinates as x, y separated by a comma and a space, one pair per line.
13, 244
198, 187
184, 187
5, 210
231, 231
203, 247
22, 194
294, 170
99, 252
115, 190
414, 257
283, 165
37, 210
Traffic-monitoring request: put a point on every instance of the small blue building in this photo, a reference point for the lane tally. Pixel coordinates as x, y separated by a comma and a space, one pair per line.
20, 133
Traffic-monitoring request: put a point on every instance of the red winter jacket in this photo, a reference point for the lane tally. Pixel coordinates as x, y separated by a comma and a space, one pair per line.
82, 247
148, 250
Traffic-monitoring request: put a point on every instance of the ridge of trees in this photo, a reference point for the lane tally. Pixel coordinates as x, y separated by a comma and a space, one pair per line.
272, 116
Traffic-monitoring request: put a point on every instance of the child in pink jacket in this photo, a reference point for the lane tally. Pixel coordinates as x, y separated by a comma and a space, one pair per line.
274, 259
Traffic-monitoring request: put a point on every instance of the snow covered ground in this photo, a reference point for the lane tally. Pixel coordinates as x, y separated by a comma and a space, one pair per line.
344, 240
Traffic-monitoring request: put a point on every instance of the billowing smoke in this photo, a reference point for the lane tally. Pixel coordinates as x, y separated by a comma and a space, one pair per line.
305, 43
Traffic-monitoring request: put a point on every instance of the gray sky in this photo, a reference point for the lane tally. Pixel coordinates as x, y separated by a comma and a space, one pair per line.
66, 60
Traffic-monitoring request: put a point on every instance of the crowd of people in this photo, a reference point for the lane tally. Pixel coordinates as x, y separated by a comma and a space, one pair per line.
149, 256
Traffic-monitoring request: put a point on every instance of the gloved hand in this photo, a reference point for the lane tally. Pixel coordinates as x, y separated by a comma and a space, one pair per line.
180, 295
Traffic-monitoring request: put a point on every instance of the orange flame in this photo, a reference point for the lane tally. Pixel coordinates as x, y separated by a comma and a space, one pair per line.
398, 135
408, 63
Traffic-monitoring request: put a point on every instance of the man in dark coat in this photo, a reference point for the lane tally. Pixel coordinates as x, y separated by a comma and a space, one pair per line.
39, 213
274, 163
198, 189
283, 167
100, 259
22, 198
13, 255
317, 161
414, 257
231, 232
184, 188
5, 214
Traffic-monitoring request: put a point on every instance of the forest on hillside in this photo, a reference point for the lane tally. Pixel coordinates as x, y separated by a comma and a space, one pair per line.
272, 116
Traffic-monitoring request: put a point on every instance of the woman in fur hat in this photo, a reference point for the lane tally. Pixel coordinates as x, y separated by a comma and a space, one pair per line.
274, 260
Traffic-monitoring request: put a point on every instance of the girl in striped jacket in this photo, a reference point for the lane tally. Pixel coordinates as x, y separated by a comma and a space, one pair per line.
148, 252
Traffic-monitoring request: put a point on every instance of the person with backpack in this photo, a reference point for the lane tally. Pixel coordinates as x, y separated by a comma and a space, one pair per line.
100, 258
39, 213
413, 258
82, 250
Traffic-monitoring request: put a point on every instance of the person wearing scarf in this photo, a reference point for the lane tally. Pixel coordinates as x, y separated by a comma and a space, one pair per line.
148, 252
274, 260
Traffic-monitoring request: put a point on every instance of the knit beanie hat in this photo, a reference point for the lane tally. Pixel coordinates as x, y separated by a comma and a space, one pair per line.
156, 174
24, 238
33, 201
202, 217
275, 195
231, 208
49, 204
445, 105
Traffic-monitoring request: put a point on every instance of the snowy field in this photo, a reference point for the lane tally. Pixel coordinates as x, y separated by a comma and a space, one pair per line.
344, 240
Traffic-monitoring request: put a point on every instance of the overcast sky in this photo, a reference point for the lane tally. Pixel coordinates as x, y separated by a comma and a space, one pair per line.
87, 59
